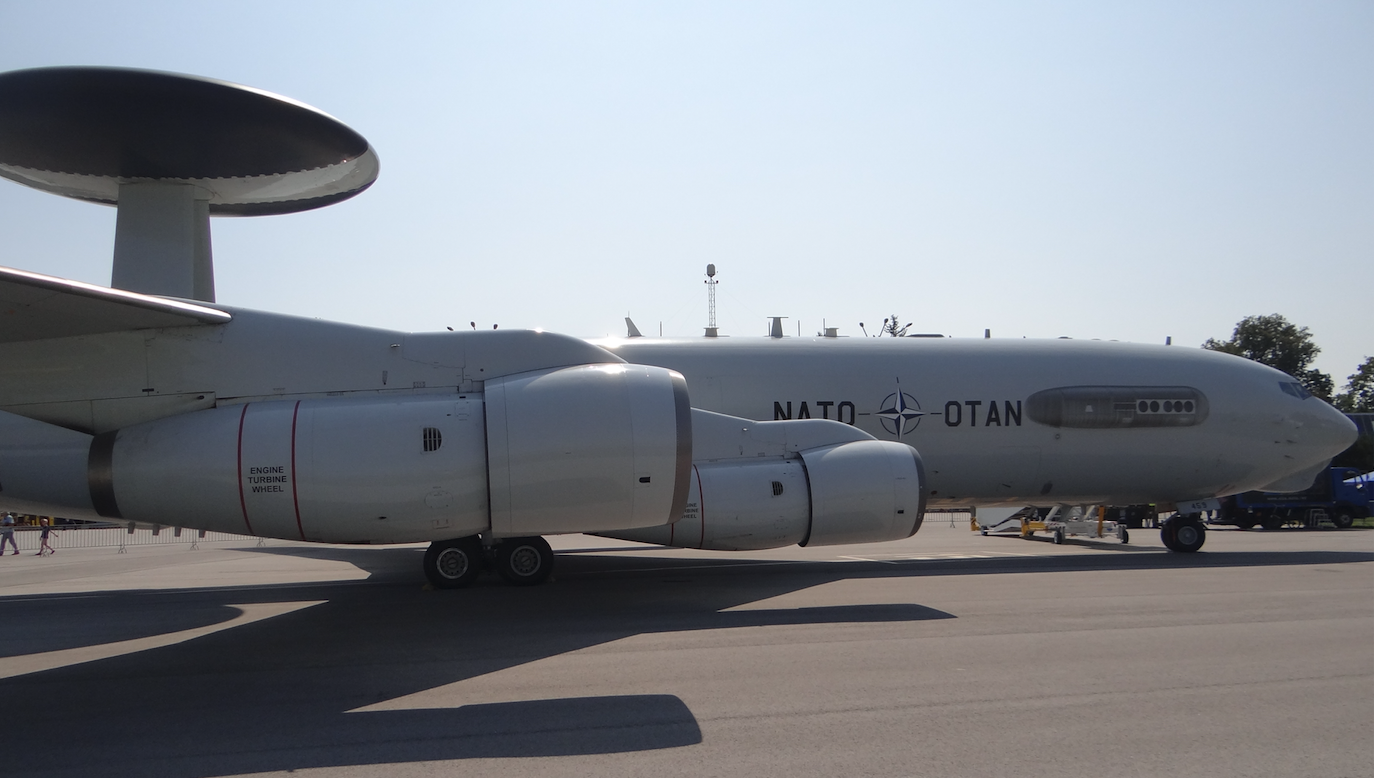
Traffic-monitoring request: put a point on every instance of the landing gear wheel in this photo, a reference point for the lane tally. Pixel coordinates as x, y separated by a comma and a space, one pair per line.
524, 561
1058, 537
1166, 534
453, 564
1125, 536
1183, 535
1343, 520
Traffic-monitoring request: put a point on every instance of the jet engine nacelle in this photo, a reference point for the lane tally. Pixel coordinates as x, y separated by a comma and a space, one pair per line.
862, 491
337, 470
587, 448
577, 449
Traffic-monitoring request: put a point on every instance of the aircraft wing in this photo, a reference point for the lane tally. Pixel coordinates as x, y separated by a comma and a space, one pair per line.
37, 307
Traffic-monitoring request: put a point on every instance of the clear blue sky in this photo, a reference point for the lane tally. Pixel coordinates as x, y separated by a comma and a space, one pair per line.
1099, 170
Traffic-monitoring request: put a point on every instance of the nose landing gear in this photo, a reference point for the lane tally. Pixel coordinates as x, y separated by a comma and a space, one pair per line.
1184, 534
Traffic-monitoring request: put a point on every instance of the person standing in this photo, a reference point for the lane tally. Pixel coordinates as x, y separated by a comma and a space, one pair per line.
44, 547
7, 534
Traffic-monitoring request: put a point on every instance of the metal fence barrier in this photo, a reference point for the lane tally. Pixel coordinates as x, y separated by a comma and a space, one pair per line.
120, 536
957, 518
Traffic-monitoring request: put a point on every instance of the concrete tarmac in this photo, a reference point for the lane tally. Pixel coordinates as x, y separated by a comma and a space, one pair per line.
949, 654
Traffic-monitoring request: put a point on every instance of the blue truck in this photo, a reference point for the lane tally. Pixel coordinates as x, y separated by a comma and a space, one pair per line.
1339, 495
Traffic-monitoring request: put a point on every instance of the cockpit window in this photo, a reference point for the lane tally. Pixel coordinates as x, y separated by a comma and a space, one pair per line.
1296, 389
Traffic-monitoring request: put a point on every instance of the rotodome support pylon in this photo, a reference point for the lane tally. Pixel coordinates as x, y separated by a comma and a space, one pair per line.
170, 151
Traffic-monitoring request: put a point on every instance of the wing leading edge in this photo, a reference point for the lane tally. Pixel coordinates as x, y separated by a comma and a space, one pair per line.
37, 307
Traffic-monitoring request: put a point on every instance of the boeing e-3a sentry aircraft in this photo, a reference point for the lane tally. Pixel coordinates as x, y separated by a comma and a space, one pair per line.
151, 402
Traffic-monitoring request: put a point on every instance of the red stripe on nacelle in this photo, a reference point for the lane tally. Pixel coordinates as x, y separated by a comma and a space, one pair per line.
243, 504
295, 500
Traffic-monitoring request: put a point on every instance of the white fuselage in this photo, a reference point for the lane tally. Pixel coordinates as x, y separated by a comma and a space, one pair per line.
968, 406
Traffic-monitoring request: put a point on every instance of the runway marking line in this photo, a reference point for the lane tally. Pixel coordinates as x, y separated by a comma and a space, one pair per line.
675, 568
12, 666
893, 559
887, 559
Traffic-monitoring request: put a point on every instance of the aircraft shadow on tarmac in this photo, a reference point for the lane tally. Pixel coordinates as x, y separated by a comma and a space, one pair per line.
282, 693
276, 694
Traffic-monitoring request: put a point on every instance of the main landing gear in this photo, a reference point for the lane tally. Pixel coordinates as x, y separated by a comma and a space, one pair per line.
453, 564
1184, 534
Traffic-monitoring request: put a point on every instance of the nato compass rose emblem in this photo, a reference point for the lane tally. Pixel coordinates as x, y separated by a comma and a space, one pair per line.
900, 413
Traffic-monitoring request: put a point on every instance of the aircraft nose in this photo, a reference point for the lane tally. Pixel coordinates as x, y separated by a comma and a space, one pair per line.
1309, 435
1328, 429
1317, 432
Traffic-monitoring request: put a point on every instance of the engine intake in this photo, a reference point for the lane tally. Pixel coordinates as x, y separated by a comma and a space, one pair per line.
864, 492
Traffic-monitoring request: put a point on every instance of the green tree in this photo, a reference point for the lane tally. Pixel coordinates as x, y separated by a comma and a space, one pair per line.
894, 327
1271, 340
1358, 396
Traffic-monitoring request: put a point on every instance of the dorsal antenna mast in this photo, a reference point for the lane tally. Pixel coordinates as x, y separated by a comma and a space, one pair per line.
711, 330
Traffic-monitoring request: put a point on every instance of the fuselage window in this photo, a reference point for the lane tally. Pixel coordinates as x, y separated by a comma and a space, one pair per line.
1116, 407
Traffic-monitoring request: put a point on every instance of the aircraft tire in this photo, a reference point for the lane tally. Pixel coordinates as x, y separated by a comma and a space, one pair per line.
453, 564
1058, 537
1166, 534
1343, 519
524, 561
1183, 535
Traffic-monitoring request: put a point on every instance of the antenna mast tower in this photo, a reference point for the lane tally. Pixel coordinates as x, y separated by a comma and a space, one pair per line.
711, 330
